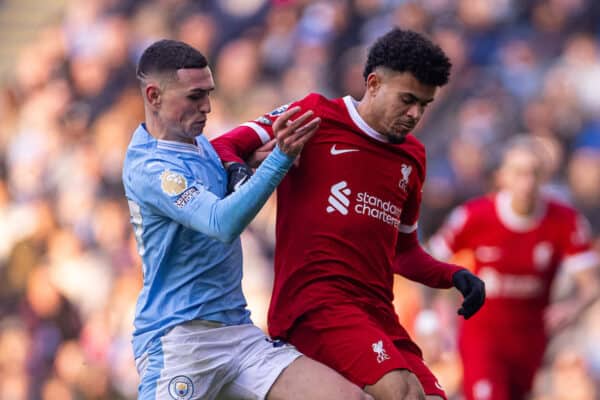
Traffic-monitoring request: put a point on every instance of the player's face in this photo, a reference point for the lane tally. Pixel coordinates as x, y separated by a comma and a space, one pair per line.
521, 174
398, 102
185, 103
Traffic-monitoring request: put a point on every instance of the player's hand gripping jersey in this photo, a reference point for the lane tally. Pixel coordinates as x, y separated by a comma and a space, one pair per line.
342, 214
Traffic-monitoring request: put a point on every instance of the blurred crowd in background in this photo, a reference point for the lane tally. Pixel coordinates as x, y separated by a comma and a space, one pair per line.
69, 272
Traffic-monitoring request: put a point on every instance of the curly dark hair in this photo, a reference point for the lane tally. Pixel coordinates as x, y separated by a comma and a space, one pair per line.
408, 51
166, 56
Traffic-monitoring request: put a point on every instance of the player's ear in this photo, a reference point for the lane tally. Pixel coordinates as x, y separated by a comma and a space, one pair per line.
152, 94
373, 83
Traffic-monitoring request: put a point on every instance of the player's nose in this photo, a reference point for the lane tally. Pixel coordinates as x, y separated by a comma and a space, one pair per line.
204, 106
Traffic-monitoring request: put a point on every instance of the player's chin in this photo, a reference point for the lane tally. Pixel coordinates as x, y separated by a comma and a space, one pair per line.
397, 137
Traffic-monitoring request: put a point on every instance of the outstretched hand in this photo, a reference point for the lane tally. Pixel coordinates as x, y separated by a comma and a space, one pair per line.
292, 135
473, 291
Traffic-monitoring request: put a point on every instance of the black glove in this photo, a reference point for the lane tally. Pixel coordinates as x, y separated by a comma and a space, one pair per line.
237, 175
473, 291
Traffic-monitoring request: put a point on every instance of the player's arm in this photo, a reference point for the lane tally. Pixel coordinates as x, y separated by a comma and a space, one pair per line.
414, 263
195, 207
247, 145
582, 263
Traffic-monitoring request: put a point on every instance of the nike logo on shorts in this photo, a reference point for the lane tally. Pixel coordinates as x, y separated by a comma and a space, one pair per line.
335, 152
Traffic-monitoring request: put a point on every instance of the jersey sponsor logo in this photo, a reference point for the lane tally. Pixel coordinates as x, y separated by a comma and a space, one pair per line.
264, 120
334, 151
338, 198
172, 183
510, 286
279, 110
382, 355
181, 388
365, 204
488, 254
406, 170
186, 197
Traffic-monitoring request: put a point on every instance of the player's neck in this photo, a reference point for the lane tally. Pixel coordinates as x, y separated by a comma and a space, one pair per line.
523, 207
158, 130
365, 113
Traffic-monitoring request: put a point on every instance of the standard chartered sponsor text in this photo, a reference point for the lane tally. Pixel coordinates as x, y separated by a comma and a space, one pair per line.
377, 208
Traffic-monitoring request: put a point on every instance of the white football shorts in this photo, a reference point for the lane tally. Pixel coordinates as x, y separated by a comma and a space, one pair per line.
206, 360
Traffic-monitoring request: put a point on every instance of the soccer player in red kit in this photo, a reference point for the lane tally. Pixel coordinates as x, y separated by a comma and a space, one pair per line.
347, 219
519, 239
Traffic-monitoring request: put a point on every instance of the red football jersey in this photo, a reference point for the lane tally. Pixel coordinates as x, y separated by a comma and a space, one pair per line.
518, 258
340, 212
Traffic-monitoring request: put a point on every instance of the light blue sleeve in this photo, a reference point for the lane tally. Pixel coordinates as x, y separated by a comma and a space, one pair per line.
171, 190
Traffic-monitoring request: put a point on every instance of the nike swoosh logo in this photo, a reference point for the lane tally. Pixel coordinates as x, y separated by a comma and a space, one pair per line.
335, 152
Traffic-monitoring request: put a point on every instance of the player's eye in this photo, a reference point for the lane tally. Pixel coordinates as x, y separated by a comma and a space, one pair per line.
197, 96
408, 100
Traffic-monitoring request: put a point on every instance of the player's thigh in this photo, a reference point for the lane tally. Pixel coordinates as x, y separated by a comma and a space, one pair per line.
308, 379
397, 385
274, 369
485, 374
260, 363
192, 361
416, 382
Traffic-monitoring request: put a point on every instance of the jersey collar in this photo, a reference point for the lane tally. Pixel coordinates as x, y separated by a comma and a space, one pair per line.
360, 122
512, 220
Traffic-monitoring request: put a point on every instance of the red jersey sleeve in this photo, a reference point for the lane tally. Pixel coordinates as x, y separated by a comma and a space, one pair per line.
451, 237
411, 260
577, 251
414, 263
239, 143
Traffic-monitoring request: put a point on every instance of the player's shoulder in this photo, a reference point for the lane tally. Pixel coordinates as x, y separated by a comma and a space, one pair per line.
559, 209
415, 147
480, 207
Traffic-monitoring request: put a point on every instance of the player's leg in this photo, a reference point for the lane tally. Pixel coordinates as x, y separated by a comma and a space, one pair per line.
485, 374
306, 378
360, 350
526, 359
416, 383
192, 361
275, 370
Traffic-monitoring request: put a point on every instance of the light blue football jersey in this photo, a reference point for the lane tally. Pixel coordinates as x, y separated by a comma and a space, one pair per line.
187, 232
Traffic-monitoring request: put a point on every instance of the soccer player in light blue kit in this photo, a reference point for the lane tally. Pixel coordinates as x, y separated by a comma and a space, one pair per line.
193, 335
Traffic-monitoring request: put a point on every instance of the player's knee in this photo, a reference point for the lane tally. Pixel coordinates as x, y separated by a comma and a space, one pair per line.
365, 396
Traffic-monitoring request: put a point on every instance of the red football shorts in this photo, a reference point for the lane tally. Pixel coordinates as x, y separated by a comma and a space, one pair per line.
353, 343
500, 366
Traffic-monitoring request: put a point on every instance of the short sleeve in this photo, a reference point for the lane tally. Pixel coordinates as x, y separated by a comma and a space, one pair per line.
577, 252
451, 236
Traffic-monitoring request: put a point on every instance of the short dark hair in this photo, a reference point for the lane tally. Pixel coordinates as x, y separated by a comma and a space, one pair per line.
167, 56
407, 51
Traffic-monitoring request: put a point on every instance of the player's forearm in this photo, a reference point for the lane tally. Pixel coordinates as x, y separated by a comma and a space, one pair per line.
414, 263
236, 145
229, 216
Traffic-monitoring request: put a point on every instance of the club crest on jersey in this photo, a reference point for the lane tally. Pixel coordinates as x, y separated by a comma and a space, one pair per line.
172, 183
181, 388
382, 355
406, 170
279, 110
264, 120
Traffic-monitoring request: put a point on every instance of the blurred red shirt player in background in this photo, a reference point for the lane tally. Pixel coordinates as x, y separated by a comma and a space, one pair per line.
347, 219
520, 240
